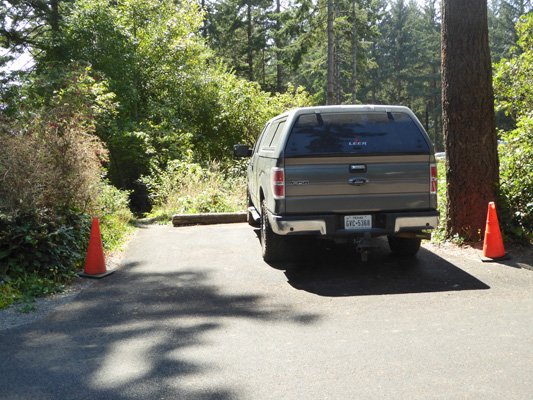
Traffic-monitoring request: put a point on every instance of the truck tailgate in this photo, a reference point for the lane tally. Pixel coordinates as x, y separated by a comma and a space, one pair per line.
357, 184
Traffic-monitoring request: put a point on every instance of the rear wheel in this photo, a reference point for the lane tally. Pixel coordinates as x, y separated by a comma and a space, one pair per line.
406, 247
274, 247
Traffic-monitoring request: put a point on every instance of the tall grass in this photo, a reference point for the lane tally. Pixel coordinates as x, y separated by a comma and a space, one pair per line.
185, 187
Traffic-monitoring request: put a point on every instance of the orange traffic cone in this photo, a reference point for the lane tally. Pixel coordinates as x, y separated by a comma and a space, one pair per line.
95, 261
493, 244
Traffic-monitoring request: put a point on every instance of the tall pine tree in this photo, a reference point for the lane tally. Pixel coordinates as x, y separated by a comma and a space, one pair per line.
468, 117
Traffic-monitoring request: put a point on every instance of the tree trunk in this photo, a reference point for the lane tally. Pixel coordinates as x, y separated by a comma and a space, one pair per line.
426, 115
468, 117
54, 20
435, 100
337, 58
204, 21
330, 90
250, 55
435, 126
279, 69
354, 53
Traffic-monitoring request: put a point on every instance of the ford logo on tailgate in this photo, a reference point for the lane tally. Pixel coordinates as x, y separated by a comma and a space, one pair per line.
358, 181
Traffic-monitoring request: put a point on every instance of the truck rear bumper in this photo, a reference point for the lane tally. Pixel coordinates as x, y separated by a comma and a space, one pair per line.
333, 224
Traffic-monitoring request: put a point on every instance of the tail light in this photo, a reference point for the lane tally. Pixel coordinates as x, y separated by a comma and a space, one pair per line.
434, 179
278, 183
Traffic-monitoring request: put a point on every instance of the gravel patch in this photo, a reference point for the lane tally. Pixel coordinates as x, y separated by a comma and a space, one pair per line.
521, 256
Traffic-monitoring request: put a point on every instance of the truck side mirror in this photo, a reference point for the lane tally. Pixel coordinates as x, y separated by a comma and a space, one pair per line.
242, 150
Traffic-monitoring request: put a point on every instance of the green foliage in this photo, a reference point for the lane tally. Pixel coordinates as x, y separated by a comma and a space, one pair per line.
186, 187
502, 17
439, 235
172, 95
115, 217
8, 294
512, 78
150, 54
40, 253
513, 84
50, 177
26, 290
48, 244
231, 110
49, 158
516, 180
397, 69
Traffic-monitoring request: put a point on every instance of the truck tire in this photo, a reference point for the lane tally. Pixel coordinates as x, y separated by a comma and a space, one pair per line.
406, 247
273, 246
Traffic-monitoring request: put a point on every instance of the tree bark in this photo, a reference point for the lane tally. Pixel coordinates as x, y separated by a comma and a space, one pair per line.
204, 22
468, 117
249, 33
337, 58
279, 68
54, 16
354, 53
330, 90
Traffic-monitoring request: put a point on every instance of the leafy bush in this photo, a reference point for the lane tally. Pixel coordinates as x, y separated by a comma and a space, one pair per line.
50, 158
25, 290
115, 217
187, 187
225, 110
48, 170
50, 245
516, 184
8, 294
439, 235
513, 87
50, 179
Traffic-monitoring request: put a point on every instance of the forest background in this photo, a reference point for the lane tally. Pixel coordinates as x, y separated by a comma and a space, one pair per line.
133, 106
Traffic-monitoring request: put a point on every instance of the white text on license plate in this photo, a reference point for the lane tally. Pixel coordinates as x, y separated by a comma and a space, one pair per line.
357, 222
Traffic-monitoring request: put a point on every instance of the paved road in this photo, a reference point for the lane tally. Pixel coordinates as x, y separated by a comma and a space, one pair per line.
194, 313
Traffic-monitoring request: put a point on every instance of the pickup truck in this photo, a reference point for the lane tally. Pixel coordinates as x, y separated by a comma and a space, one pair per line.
342, 173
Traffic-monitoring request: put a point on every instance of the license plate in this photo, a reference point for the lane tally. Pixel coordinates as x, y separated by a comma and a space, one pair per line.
357, 222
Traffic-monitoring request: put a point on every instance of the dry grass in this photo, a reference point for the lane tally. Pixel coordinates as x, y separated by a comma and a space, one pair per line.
188, 188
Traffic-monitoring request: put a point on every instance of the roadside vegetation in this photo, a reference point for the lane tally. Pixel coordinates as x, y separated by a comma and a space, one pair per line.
513, 83
186, 187
52, 182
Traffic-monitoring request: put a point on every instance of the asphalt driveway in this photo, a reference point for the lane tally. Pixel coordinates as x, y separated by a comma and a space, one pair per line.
194, 313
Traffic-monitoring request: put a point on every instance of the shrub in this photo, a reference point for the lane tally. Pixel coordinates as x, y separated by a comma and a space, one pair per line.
8, 294
513, 88
50, 245
48, 170
439, 235
50, 178
187, 187
516, 180
50, 158
115, 217
225, 110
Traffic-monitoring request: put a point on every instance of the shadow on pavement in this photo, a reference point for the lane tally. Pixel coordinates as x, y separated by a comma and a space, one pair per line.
124, 339
339, 271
